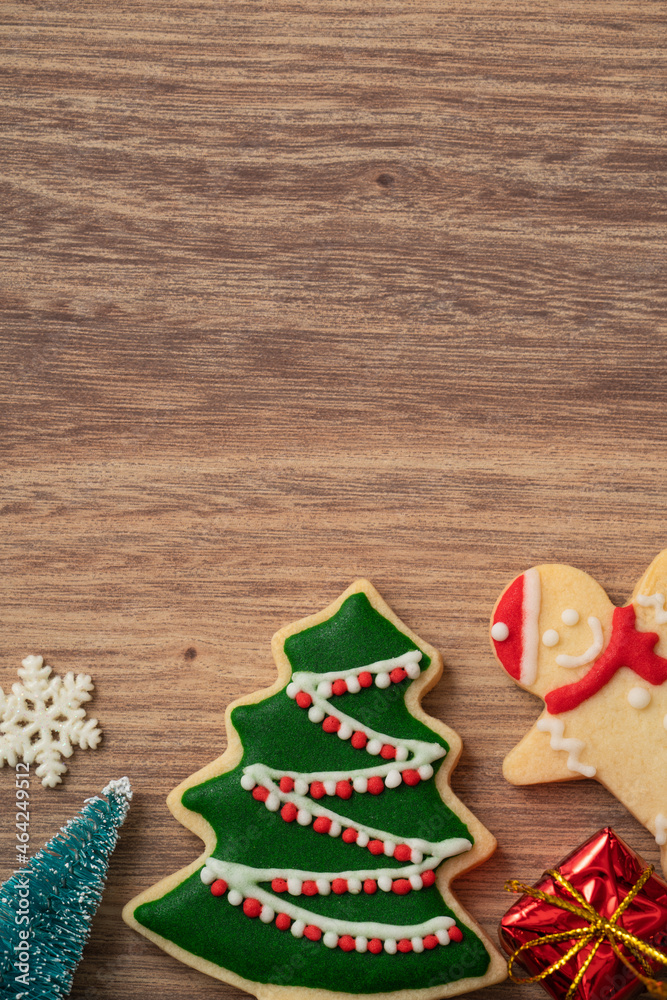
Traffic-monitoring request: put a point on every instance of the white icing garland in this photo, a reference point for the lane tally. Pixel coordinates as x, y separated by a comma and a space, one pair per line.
242, 882
573, 747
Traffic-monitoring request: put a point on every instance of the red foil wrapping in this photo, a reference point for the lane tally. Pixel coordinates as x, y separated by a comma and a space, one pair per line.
603, 870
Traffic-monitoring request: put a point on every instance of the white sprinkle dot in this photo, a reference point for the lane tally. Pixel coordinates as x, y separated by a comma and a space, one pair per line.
330, 940
362, 838
234, 897
570, 616
248, 782
266, 914
417, 945
323, 886
550, 637
335, 829
393, 779
353, 685
360, 784
416, 882
442, 936
345, 731
385, 883
425, 772
382, 680
389, 849
416, 856
390, 946
301, 787
324, 689
373, 747
303, 817
354, 886
412, 670
207, 876
402, 753
272, 803
294, 886
315, 713
330, 786
361, 944
499, 631
639, 697
297, 928
292, 690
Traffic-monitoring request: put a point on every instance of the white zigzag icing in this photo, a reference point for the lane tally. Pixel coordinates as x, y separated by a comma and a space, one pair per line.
573, 747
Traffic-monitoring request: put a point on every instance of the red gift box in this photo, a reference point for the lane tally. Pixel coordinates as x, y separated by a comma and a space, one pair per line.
603, 871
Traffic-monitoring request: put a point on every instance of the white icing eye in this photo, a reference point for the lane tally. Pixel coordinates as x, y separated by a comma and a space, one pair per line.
639, 697
550, 637
499, 631
570, 616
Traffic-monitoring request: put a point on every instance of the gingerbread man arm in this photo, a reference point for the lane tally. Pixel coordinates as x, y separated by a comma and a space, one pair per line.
534, 760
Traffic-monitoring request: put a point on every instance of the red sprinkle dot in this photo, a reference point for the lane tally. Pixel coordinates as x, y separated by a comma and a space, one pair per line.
402, 852
359, 740
375, 785
219, 887
401, 886
404, 945
375, 946
283, 922
428, 878
339, 687
317, 789
252, 907
388, 751
370, 886
455, 934
289, 812
343, 789
260, 793
304, 700
365, 679
350, 835
397, 675
431, 941
279, 885
322, 824
376, 846
339, 886
411, 777
309, 888
312, 932
331, 724
346, 942
286, 784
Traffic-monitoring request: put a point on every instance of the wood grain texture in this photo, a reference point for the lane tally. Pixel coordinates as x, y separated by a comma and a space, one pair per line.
294, 293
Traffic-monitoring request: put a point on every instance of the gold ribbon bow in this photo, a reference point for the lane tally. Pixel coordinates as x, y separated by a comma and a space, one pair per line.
595, 930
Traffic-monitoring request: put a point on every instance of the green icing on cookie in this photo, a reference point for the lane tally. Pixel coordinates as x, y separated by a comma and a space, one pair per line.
279, 734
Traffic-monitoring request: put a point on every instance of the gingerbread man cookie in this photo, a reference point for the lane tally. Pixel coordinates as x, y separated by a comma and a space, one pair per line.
602, 673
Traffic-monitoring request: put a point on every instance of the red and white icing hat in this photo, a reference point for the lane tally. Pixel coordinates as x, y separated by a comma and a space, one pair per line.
515, 627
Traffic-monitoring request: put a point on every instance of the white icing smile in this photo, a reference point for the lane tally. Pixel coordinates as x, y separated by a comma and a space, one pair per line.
594, 650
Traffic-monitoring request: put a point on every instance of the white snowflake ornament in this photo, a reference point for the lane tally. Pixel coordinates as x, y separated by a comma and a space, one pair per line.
42, 720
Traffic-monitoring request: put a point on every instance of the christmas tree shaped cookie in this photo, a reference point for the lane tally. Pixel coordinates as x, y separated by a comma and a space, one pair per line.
331, 832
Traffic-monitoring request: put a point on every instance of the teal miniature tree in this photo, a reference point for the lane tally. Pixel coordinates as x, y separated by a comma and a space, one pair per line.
327, 829
46, 908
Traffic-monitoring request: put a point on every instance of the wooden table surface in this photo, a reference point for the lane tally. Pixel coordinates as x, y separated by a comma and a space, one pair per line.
298, 292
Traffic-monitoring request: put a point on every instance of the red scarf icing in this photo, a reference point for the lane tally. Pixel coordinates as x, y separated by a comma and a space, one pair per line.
627, 648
